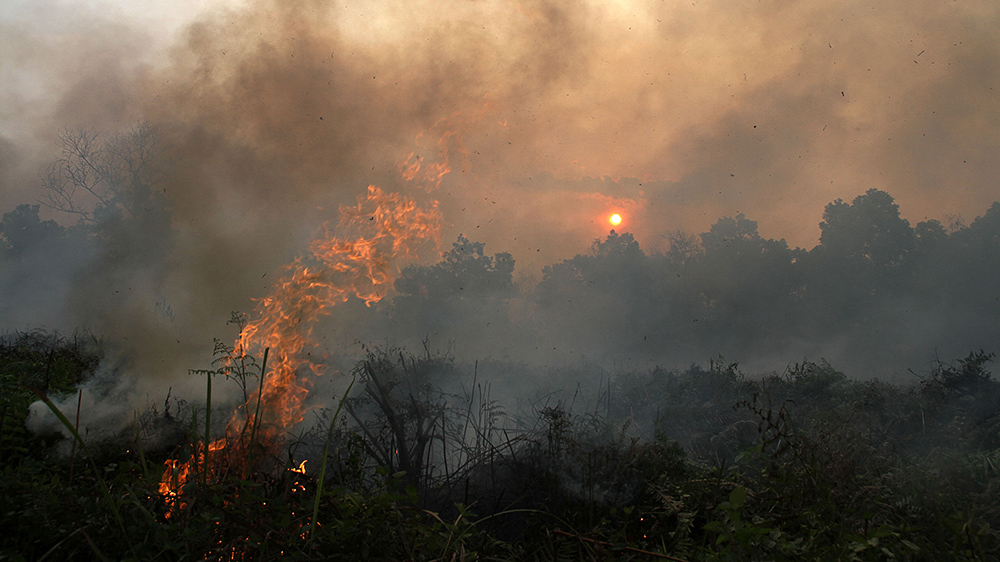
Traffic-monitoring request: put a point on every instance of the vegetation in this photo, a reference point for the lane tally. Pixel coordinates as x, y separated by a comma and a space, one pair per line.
702, 464
431, 458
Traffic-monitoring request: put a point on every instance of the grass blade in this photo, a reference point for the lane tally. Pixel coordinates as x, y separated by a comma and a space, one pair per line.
97, 472
322, 467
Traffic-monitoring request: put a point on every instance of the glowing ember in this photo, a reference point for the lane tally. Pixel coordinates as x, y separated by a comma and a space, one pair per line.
176, 475
174, 478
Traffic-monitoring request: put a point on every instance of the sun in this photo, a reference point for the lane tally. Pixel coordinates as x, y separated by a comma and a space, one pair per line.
615, 219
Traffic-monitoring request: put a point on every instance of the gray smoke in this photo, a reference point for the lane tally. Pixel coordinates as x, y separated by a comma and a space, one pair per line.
272, 114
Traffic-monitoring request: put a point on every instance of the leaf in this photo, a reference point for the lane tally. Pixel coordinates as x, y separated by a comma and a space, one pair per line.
713, 527
738, 497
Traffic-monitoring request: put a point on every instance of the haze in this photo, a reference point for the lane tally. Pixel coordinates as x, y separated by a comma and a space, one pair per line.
552, 116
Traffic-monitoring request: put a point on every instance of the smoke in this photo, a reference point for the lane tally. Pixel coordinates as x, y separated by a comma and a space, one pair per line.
550, 116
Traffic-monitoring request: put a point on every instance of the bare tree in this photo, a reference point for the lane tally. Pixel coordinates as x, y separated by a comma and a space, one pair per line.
100, 174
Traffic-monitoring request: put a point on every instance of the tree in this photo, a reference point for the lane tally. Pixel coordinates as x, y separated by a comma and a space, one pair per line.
617, 246
22, 233
968, 264
465, 272
111, 183
869, 233
859, 279
615, 267
38, 262
463, 296
747, 286
605, 301
930, 234
862, 254
684, 247
99, 176
732, 233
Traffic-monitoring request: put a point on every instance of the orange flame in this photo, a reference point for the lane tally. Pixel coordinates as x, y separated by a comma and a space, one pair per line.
382, 230
360, 259
428, 174
387, 228
176, 475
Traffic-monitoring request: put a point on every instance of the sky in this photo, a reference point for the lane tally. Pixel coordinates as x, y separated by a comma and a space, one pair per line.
675, 113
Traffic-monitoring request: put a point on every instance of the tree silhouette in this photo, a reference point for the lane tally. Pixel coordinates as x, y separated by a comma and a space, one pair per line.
112, 183
607, 300
466, 286
868, 234
464, 272
747, 285
23, 233
101, 176
859, 263
39, 260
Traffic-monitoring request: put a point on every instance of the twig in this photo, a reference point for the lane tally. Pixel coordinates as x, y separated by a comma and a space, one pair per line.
208, 426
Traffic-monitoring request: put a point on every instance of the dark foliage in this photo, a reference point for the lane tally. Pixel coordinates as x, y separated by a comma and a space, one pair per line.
50, 362
702, 464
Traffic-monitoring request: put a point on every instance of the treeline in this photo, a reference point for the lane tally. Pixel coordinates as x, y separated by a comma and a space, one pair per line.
58, 276
875, 294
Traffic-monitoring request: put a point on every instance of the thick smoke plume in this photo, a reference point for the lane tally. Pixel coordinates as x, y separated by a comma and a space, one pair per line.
549, 115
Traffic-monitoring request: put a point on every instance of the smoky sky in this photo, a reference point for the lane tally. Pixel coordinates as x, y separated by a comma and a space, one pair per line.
772, 109
553, 116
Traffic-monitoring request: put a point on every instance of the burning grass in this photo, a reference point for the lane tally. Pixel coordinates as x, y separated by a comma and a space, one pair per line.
418, 461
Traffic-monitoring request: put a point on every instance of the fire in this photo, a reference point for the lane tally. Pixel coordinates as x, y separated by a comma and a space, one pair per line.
174, 478
384, 229
429, 175
360, 258
176, 475
301, 469
387, 228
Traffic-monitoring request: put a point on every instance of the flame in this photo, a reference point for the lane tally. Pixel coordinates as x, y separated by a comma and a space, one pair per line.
428, 174
176, 474
387, 228
171, 484
301, 469
360, 258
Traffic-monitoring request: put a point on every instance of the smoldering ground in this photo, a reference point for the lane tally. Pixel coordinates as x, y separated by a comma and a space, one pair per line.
275, 113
